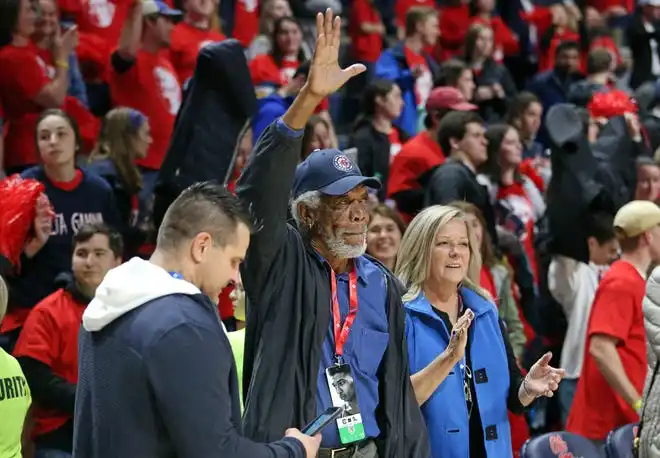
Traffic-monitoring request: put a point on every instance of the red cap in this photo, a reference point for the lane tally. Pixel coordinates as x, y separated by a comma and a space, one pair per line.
447, 97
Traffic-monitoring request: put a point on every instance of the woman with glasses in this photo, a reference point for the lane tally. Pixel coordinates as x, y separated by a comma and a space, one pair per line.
464, 373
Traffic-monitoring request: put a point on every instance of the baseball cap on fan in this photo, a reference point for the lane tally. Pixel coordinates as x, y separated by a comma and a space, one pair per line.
448, 98
153, 7
635, 218
649, 2
330, 172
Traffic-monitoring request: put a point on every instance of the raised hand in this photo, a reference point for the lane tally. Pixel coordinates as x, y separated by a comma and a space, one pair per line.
459, 335
325, 74
542, 379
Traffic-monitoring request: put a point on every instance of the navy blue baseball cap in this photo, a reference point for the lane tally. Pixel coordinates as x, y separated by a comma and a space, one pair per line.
331, 172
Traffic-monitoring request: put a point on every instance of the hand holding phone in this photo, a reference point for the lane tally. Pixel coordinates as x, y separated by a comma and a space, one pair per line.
310, 444
316, 426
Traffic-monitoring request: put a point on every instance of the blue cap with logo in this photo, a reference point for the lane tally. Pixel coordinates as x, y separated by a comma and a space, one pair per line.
330, 172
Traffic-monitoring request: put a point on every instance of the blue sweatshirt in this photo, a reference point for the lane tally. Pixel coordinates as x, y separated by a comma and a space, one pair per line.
157, 376
91, 200
270, 108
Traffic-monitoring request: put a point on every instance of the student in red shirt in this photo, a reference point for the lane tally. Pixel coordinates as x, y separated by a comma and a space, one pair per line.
367, 31
609, 391
25, 87
273, 70
454, 22
143, 78
191, 34
47, 348
422, 154
246, 21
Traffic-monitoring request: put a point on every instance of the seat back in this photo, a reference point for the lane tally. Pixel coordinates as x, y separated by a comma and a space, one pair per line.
619, 442
560, 443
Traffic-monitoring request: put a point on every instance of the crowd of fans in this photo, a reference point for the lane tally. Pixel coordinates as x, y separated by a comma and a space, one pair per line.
534, 123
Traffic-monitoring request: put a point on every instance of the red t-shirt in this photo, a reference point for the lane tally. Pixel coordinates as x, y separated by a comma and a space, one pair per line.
487, 282
103, 18
24, 74
50, 336
246, 21
522, 208
424, 82
418, 156
185, 43
152, 87
617, 312
366, 46
395, 143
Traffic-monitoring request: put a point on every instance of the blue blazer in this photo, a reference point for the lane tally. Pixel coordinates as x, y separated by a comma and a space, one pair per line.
445, 412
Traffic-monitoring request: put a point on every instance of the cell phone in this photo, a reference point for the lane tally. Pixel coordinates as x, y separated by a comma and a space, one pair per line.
331, 414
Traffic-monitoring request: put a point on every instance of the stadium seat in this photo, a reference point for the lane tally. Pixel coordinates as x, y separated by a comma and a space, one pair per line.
561, 443
619, 442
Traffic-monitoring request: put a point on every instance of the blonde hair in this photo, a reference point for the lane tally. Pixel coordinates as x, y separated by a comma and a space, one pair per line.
413, 263
4, 298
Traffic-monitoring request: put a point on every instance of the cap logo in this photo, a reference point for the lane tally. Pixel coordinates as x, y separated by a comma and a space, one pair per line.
342, 163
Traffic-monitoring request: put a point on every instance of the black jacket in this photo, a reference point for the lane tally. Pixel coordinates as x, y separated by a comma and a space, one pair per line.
455, 181
374, 153
288, 296
640, 47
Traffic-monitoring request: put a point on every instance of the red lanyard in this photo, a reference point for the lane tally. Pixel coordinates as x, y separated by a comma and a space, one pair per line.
341, 332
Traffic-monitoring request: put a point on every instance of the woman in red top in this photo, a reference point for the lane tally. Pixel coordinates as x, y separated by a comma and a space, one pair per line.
506, 43
275, 69
190, 35
271, 11
25, 87
519, 199
366, 30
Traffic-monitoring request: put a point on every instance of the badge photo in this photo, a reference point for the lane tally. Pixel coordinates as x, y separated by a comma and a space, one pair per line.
343, 394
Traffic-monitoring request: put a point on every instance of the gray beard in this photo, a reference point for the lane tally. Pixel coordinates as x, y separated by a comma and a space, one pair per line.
342, 250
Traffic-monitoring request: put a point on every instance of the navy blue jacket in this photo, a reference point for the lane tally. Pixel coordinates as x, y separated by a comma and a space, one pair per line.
157, 376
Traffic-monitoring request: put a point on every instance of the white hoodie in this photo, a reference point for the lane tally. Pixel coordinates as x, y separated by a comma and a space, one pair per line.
129, 286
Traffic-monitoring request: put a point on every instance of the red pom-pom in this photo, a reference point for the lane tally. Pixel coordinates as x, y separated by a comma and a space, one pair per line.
611, 104
18, 201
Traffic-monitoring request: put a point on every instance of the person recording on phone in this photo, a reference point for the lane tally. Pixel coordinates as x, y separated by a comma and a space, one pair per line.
157, 376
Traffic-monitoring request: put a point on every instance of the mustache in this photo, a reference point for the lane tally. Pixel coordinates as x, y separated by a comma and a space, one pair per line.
363, 231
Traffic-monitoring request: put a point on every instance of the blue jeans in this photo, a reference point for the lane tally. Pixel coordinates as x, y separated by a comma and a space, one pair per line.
567, 389
51, 453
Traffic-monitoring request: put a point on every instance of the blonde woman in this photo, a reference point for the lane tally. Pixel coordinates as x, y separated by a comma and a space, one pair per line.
14, 395
464, 373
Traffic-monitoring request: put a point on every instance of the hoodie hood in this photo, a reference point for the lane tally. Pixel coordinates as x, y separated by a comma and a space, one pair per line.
129, 286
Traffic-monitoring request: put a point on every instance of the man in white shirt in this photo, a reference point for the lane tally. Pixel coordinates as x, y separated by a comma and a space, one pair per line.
573, 285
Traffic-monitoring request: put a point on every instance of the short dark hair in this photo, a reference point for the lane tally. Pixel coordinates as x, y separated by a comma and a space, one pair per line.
89, 230
600, 226
450, 72
433, 115
454, 125
598, 60
203, 207
415, 15
568, 45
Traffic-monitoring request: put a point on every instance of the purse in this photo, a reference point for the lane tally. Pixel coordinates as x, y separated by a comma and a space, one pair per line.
641, 420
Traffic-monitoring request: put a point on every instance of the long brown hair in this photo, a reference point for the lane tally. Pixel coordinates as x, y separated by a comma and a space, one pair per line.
119, 128
488, 257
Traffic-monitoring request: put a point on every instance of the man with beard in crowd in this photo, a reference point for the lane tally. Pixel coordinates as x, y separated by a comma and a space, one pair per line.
317, 306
